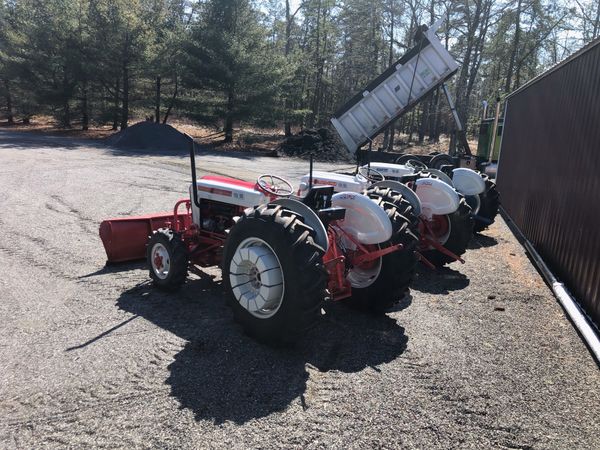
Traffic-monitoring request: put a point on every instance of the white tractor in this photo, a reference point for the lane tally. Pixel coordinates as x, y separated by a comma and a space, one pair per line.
445, 222
281, 255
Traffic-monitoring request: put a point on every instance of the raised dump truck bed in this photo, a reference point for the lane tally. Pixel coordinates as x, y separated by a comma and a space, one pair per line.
405, 83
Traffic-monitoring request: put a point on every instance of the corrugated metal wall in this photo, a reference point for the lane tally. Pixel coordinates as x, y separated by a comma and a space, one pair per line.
549, 171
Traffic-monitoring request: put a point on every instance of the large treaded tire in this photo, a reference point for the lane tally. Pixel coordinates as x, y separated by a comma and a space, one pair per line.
403, 159
178, 259
461, 232
440, 160
304, 275
398, 268
490, 202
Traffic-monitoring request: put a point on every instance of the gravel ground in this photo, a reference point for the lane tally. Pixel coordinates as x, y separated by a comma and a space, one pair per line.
481, 356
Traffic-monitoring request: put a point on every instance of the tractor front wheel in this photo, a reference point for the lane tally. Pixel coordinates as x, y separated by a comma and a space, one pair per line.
167, 259
273, 274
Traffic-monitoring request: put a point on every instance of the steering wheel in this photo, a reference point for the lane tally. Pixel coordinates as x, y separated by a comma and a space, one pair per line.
372, 175
274, 185
416, 164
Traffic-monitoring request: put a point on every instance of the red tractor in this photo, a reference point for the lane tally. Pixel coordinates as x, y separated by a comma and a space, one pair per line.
281, 255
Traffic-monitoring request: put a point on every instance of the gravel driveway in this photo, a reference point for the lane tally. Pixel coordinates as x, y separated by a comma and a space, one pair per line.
481, 356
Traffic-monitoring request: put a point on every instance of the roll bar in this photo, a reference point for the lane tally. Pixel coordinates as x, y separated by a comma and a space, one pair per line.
193, 168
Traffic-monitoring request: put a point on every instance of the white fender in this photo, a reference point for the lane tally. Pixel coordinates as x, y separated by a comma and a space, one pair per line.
389, 170
310, 218
436, 197
467, 181
406, 192
442, 176
339, 181
365, 221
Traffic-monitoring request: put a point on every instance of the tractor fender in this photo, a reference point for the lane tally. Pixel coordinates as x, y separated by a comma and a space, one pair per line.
406, 192
390, 170
310, 218
442, 176
339, 181
468, 182
365, 221
436, 197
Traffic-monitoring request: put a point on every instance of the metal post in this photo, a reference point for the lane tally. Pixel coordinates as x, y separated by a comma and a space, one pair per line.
461, 136
369, 157
495, 129
193, 167
452, 107
310, 173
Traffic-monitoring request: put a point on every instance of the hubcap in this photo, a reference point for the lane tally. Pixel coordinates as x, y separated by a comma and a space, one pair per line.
161, 263
256, 278
440, 228
365, 274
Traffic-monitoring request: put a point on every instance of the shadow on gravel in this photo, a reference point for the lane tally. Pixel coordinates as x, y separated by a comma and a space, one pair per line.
440, 281
116, 268
482, 241
222, 375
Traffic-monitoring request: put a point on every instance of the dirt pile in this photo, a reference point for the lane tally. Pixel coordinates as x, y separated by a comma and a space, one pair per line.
323, 143
150, 135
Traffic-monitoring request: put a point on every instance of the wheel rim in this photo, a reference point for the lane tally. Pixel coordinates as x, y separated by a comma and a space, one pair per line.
474, 202
364, 275
256, 278
440, 227
161, 261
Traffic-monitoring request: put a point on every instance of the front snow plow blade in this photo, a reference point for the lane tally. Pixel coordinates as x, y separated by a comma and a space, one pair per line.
125, 238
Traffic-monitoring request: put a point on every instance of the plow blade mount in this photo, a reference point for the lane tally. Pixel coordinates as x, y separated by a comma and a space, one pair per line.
125, 238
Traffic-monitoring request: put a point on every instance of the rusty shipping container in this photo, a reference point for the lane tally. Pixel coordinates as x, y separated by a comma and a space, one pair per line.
549, 171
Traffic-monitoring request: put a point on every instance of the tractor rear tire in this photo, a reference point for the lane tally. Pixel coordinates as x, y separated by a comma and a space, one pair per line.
167, 259
397, 268
440, 160
403, 159
490, 202
461, 232
281, 234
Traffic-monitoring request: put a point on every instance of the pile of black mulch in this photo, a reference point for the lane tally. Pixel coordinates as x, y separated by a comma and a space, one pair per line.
150, 136
322, 143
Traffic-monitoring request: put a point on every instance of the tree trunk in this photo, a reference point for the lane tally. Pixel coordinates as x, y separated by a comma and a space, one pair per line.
411, 125
388, 137
229, 116
9, 107
115, 125
392, 135
316, 94
287, 127
66, 119
157, 112
66, 116
597, 22
85, 118
172, 99
434, 131
424, 119
515, 49
125, 107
